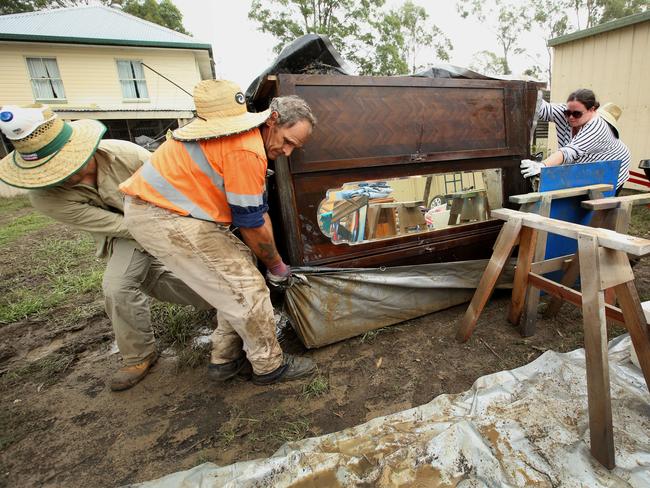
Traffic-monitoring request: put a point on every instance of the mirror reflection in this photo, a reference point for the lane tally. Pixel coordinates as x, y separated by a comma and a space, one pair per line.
364, 211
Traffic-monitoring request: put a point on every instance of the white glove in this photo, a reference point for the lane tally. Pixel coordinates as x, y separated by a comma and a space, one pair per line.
530, 168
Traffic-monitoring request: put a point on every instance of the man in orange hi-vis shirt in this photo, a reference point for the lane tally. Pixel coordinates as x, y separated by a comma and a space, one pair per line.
180, 206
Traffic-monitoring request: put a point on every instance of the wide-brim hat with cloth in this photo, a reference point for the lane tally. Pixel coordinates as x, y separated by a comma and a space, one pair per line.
611, 113
48, 150
220, 111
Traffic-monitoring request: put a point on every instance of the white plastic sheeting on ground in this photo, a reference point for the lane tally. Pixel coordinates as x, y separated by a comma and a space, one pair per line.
333, 304
527, 426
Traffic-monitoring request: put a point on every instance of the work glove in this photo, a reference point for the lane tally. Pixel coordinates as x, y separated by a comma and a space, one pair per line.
279, 276
530, 168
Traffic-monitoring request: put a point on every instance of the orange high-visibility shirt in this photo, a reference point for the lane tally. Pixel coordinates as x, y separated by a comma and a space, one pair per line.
222, 180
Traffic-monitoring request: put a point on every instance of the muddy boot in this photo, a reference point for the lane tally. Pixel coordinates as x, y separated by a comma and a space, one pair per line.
221, 372
292, 368
127, 376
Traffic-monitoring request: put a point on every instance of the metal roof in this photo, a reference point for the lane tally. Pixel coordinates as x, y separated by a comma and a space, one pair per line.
93, 24
599, 29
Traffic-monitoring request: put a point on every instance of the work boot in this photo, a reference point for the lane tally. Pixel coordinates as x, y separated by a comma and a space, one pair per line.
221, 372
292, 368
127, 376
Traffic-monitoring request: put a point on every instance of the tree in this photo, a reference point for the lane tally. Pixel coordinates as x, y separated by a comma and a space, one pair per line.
552, 18
163, 13
377, 42
20, 6
599, 11
488, 63
412, 29
615, 9
506, 18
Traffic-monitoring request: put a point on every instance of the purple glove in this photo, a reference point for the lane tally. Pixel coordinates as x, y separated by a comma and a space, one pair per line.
279, 275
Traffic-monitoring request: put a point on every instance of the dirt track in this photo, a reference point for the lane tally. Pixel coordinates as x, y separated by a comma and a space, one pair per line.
61, 426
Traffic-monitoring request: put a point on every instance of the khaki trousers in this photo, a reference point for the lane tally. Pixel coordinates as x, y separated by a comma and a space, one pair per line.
130, 278
221, 269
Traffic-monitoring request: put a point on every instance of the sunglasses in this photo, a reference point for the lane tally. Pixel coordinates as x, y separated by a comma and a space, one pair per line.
576, 114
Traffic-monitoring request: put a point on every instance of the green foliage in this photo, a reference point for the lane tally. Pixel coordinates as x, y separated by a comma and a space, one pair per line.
163, 13
590, 13
507, 20
23, 225
60, 272
377, 42
615, 9
20, 6
488, 63
9, 205
316, 387
45, 371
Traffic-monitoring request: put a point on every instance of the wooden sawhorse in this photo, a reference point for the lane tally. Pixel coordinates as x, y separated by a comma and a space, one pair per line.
609, 213
540, 203
603, 264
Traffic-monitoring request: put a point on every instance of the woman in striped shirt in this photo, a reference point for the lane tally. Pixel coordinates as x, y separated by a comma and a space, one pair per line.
585, 134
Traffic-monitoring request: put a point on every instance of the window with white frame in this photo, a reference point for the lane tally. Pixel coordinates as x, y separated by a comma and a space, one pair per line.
45, 78
131, 74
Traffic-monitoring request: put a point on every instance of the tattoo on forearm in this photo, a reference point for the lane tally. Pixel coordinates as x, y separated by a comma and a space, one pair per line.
267, 251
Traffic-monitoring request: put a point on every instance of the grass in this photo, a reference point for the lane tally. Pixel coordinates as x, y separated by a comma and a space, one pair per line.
9, 205
60, 270
45, 371
23, 225
271, 429
175, 326
317, 387
371, 335
640, 222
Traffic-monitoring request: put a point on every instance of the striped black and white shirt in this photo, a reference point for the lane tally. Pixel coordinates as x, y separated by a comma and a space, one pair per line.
595, 141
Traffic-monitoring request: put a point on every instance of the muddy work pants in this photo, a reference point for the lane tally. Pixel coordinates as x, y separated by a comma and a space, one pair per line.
221, 269
131, 277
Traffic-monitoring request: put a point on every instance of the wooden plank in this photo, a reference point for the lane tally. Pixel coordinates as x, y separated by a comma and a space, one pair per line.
553, 264
636, 325
601, 430
527, 242
529, 323
622, 217
570, 295
502, 251
606, 238
615, 202
563, 193
614, 268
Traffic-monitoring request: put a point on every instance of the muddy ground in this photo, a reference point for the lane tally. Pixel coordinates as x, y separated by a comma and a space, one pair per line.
60, 425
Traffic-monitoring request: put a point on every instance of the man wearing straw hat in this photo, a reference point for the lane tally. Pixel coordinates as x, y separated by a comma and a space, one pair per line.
73, 177
180, 207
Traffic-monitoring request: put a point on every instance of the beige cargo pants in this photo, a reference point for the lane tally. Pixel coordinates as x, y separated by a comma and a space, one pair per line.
220, 268
131, 277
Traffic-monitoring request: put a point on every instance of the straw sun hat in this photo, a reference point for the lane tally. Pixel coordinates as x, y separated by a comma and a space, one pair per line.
47, 149
221, 111
611, 113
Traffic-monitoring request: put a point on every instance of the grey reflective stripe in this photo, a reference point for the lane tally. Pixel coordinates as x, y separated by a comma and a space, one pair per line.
162, 186
197, 155
244, 200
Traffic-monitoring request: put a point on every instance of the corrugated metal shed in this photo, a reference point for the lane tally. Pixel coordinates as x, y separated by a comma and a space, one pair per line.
613, 60
94, 24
